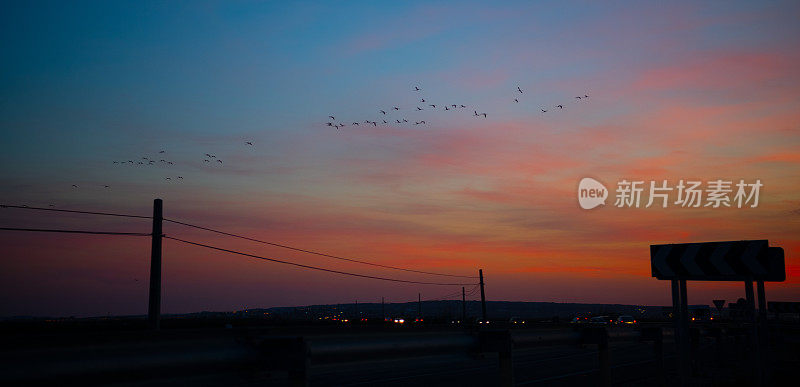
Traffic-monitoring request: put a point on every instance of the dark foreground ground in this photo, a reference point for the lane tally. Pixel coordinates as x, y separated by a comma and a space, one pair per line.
107, 354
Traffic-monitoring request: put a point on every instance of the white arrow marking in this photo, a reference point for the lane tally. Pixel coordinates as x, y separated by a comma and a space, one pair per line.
749, 258
660, 261
718, 259
687, 259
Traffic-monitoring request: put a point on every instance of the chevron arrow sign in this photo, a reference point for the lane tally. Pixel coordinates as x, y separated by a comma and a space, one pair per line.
718, 261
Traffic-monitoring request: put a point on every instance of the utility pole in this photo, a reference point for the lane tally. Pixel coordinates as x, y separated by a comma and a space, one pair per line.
483, 295
154, 305
463, 306
419, 305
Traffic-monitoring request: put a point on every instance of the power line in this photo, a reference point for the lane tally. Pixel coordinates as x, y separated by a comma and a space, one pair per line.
238, 236
311, 267
75, 231
445, 297
316, 252
75, 211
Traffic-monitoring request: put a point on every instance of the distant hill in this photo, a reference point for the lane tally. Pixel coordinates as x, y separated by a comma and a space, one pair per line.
453, 309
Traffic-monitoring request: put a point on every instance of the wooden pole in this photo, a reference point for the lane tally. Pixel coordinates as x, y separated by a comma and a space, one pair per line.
154, 305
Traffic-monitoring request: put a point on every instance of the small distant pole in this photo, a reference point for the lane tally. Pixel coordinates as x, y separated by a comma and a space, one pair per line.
154, 306
483, 295
419, 305
463, 306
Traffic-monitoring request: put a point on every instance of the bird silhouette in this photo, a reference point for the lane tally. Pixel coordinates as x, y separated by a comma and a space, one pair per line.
332, 117
422, 122
105, 186
419, 108
329, 123
374, 123
74, 186
446, 108
475, 113
383, 112
433, 106
249, 143
516, 100
169, 162
484, 115
543, 111
52, 205
585, 96
355, 123
519, 90
180, 177
167, 178
384, 121
560, 107
416, 88
463, 106
398, 121
422, 100
578, 97
405, 120
219, 161
161, 151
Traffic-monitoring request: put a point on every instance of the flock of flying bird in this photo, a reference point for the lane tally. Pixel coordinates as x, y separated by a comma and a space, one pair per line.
209, 159
384, 117
425, 105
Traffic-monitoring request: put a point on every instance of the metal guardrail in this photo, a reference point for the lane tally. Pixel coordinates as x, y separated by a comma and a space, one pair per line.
294, 354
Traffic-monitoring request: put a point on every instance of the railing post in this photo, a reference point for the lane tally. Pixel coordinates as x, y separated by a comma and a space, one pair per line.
154, 305
604, 357
657, 335
506, 367
299, 363
502, 343
290, 354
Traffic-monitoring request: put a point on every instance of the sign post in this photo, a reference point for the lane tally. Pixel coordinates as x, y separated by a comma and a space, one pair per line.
747, 261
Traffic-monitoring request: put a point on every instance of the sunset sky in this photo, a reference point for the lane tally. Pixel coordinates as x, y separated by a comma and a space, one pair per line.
676, 91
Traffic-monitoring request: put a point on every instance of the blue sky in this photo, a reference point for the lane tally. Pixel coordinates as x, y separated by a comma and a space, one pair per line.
678, 90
